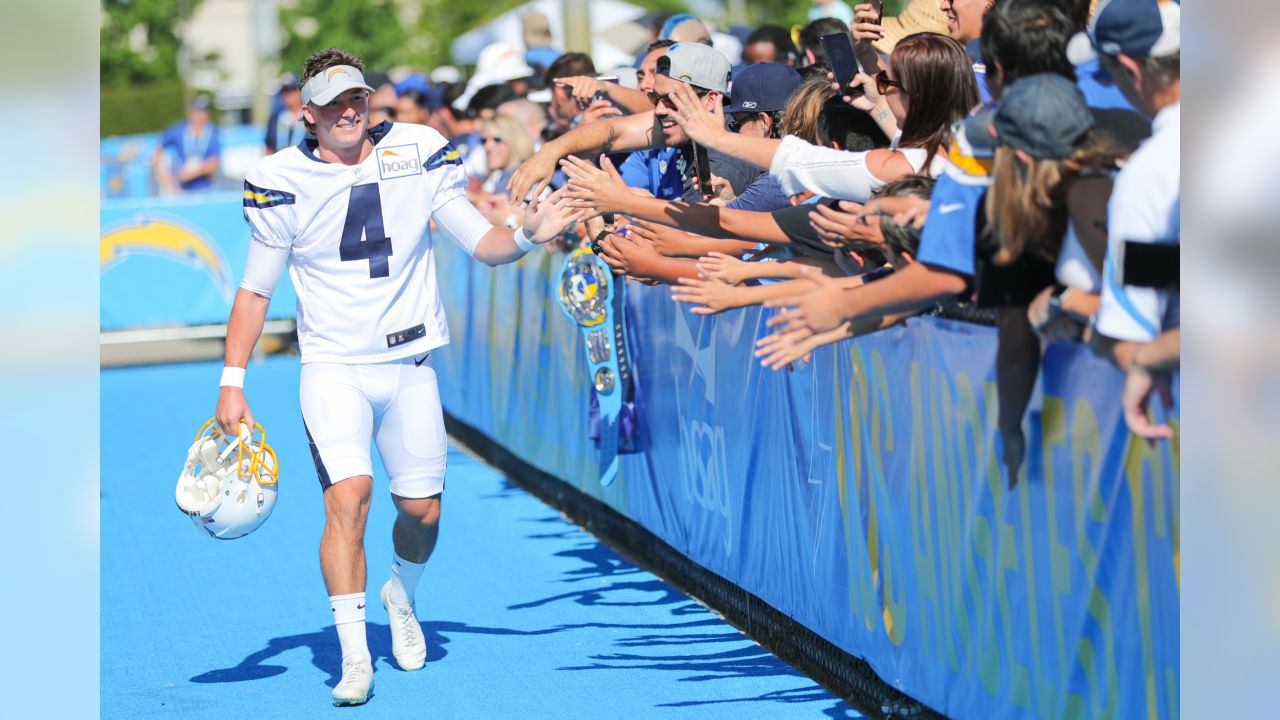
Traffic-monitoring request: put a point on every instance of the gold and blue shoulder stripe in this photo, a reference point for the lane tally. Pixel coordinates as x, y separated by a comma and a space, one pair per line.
447, 155
258, 197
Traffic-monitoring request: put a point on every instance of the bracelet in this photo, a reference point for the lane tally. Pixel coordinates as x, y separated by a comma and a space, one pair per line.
232, 377
522, 240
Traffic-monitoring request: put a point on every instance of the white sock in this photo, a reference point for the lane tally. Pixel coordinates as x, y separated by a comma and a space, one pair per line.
348, 617
404, 580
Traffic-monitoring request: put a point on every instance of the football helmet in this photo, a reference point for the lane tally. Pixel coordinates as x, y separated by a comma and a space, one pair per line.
228, 485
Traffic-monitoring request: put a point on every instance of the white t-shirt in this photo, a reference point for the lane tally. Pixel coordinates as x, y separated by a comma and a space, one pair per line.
828, 172
1145, 207
1074, 268
358, 241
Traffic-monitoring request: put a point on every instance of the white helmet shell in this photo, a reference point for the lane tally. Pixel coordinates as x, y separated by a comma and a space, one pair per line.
228, 486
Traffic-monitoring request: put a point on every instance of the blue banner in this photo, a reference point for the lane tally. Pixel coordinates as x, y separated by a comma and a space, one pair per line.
860, 493
176, 261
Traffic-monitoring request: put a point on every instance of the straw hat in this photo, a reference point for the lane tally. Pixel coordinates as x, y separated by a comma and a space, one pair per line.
920, 16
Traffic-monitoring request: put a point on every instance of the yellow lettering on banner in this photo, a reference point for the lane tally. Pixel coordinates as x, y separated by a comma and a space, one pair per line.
1086, 455
927, 608
1171, 691
1006, 560
861, 588
967, 438
1175, 448
949, 547
987, 652
1053, 430
1136, 452
895, 609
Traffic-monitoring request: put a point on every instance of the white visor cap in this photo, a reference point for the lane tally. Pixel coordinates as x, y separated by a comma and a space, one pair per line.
332, 82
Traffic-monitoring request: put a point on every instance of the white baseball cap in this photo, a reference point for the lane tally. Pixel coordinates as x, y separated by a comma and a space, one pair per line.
332, 82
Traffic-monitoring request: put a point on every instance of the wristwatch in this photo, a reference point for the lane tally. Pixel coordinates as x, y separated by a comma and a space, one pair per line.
1057, 298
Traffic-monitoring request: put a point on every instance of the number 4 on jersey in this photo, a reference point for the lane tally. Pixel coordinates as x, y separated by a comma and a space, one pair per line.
363, 237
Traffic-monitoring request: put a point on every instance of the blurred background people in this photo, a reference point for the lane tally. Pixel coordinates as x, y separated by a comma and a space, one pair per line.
285, 127
189, 151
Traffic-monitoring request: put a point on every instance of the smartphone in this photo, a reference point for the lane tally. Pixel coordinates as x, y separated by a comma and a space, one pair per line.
867, 56
1153, 265
839, 49
879, 6
702, 169
601, 94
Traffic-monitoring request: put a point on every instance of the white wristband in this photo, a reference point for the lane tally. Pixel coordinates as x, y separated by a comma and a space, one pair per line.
232, 377
522, 241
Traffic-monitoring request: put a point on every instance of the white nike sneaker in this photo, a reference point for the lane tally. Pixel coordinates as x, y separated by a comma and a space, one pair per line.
407, 643
356, 685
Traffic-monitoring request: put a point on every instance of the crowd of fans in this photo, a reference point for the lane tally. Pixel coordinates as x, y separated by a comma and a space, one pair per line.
1017, 157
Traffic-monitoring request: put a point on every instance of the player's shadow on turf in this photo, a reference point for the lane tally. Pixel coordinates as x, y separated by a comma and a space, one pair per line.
326, 653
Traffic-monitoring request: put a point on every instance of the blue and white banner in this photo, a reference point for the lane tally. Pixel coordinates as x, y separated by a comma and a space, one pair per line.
176, 261
861, 493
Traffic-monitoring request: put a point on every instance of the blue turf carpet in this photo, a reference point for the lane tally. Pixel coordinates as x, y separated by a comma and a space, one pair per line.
526, 615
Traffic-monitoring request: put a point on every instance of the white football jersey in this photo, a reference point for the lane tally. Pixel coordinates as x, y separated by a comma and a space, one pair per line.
359, 241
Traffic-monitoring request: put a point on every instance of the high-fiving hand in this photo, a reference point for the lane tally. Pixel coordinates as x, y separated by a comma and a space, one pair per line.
595, 190
548, 218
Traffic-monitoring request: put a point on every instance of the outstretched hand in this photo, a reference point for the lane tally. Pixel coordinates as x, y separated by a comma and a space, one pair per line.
595, 190
716, 265
533, 175
1139, 386
599, 109
549, 217
815, 310
838, 228
627, 254
778, 351
703, 126
708, 296
667, 240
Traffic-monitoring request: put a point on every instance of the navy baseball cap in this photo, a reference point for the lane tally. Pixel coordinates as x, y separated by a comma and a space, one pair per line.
413, 82
1044, 115
763, 87
435, 97
1137, 28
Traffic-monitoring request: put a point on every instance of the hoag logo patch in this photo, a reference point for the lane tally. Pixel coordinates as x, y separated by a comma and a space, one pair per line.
399, 161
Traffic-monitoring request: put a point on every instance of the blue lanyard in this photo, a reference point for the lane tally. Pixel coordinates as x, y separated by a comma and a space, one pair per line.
191, 146
285, 127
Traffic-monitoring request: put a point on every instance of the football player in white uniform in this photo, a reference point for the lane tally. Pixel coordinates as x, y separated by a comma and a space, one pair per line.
348, 211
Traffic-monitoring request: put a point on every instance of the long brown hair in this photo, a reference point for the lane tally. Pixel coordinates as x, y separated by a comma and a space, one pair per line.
937, 76
1026, 203
803, 109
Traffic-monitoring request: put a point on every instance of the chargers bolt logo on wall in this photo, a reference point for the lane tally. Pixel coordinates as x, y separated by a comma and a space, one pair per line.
169, 239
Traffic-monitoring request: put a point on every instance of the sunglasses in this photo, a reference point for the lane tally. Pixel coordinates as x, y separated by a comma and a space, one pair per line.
495, 140
884, 82
737, 120
666, 100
